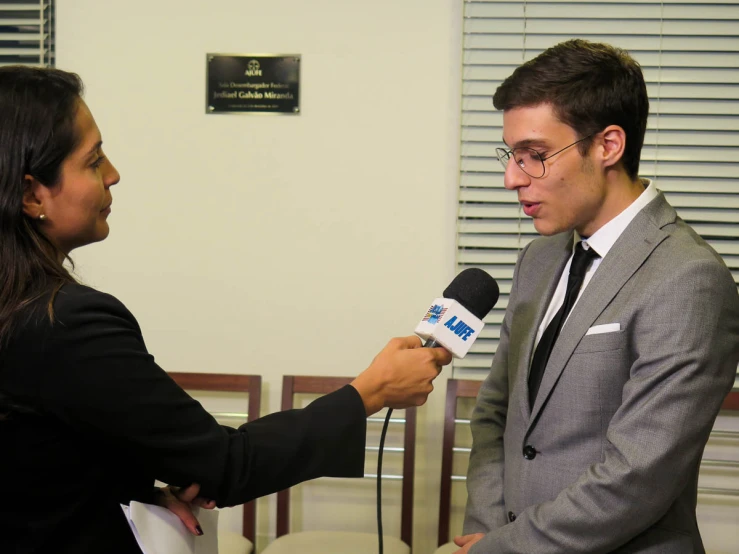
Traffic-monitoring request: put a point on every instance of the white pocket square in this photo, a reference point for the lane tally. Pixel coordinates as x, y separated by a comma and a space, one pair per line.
605, 328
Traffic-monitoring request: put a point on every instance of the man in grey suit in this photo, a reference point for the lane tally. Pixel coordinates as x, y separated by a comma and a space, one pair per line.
613, 362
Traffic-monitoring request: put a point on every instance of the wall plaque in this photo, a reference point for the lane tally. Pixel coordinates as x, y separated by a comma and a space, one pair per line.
253, 83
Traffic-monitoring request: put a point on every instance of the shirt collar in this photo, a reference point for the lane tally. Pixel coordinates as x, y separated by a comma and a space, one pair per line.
605, 237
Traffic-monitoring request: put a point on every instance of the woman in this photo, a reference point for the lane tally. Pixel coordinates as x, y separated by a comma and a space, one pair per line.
87, 419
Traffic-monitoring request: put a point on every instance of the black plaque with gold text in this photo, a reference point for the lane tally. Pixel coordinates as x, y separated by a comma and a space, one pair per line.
253, 83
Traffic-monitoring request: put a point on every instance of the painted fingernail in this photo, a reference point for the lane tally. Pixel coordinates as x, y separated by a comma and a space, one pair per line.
199, 530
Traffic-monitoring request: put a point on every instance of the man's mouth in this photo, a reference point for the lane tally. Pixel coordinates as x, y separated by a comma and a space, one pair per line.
530, 208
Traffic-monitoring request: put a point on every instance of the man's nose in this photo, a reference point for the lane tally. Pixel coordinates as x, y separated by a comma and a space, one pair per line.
514, 176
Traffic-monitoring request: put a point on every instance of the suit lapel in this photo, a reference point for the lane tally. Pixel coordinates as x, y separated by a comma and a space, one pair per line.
549, 261
629, 252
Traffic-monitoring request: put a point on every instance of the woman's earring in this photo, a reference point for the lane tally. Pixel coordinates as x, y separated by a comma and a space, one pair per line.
42, 217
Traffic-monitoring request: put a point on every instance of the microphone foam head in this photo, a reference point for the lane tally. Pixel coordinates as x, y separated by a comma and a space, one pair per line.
475, 289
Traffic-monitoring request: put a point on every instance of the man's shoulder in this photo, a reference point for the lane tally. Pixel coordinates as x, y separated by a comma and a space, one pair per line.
682, 242
683, 245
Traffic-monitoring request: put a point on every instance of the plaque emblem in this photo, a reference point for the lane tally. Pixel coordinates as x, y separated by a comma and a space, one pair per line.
253, 69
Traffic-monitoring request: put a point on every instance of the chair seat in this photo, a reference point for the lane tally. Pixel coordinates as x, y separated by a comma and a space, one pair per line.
335, 542
448, 548
233, 543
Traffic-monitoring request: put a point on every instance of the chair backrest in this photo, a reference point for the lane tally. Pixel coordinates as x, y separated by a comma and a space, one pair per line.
455, 389
292, 385
718, 484
731, 402
222, 382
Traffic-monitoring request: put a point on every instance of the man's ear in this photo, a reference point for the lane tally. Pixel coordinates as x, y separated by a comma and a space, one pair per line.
33, 197
614, 144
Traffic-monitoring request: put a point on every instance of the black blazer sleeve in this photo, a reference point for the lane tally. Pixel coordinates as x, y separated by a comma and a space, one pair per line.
98, 377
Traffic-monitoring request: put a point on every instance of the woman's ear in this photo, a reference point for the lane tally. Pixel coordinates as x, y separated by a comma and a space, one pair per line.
33, 197
614, 144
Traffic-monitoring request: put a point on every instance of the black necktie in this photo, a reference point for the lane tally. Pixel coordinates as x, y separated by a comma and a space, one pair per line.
580, 262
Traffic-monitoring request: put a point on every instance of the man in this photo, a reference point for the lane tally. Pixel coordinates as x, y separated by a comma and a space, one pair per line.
589, 430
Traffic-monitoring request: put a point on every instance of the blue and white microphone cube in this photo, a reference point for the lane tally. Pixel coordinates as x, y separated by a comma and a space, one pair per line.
451, 325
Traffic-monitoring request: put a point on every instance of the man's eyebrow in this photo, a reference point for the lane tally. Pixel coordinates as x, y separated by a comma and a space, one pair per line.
528, 143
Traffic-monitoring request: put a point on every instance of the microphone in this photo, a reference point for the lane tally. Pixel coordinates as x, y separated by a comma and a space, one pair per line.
455, 321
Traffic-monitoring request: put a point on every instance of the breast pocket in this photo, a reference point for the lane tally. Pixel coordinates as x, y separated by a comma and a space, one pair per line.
603, 342
599, 363
604, 361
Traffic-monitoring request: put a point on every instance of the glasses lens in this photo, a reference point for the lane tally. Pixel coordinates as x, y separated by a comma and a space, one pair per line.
529, 161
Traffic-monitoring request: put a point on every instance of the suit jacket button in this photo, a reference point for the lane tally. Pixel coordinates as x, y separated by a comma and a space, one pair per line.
511, 517
529, 452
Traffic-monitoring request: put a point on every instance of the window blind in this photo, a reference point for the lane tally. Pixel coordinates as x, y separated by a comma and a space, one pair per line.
689, 52
27, 32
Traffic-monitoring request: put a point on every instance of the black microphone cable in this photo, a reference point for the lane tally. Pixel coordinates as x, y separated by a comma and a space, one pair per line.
476, 290
379, 477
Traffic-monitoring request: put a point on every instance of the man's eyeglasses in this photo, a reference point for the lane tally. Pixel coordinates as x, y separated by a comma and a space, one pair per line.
529, 160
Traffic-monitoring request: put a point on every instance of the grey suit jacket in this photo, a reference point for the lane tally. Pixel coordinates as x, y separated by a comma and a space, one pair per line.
621, 419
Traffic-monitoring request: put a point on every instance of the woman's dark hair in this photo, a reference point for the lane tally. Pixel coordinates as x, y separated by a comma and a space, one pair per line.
38, 110
589, 86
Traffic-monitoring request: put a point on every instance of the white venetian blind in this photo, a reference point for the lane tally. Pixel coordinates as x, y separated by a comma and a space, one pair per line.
689, 52
27, 32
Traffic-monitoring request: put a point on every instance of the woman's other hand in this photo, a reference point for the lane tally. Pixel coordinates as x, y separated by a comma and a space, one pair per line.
180, 501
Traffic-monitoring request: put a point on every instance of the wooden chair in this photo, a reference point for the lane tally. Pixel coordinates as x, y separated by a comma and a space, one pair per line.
455, 389
718, 505
731, 403
231, 543
340, 542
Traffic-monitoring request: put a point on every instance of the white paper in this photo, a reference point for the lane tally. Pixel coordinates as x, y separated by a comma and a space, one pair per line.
159, 531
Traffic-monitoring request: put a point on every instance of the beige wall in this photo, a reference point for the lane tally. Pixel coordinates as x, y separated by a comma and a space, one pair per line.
277, 245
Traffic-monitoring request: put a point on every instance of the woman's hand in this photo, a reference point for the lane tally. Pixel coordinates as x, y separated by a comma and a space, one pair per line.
401, 375
180, 501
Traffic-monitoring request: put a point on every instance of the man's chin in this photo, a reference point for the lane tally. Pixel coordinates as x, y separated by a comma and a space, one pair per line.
545, 229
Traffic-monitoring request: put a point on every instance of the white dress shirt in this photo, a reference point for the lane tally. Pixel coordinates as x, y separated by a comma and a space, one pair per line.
601, 241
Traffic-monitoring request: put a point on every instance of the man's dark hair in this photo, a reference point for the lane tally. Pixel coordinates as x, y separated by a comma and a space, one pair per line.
589, 86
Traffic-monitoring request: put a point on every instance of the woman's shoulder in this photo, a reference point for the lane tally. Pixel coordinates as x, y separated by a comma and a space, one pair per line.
74, 294
74, 302
63, 325
73, 297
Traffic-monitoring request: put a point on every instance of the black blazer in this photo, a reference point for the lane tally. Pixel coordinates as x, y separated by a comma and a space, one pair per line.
92, 421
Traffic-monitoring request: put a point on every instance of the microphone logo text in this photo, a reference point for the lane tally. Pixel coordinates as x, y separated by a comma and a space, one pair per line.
459, 328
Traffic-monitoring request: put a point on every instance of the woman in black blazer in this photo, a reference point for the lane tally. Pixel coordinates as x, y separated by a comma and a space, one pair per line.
87, 419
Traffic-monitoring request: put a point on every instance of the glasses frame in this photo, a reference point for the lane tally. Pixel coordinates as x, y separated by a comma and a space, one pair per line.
504, 156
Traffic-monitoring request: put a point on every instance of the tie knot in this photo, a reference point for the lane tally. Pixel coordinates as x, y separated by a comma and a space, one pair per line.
581, 260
